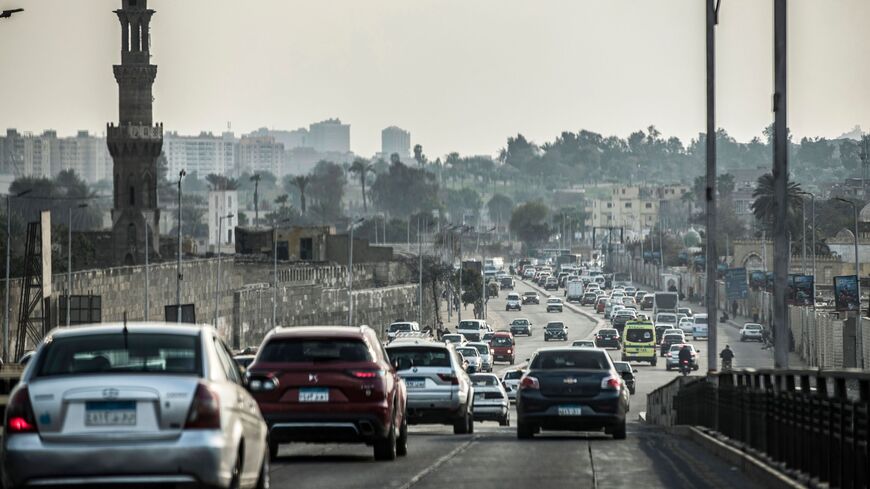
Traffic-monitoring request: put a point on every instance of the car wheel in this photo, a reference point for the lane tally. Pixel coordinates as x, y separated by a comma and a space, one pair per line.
470, 422
460, 425
385, 449
506, 421
667, 368
273, 451
235, 478
264, 480
619, 431
402, 442
653, 362
524, 431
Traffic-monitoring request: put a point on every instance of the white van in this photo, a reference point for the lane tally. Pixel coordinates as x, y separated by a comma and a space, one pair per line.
700, 328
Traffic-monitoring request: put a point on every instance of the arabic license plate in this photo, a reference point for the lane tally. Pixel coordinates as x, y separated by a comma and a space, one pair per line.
313, 394
110, 413
415, 383
569, 411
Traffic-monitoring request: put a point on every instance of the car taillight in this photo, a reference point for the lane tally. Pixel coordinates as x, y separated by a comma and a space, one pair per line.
509, 351
260, 384
365, 374
610, 383
454, 380
19, 414
205, 412
530, 383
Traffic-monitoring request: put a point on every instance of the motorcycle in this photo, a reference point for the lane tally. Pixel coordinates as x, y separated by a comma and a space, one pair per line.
685, 367
726, 364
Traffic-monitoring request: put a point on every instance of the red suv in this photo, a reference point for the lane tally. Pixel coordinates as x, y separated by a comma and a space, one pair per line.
502, 346
330, 384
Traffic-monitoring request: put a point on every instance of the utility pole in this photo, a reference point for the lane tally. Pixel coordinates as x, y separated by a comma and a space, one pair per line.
179, 276
353, 224
781, 250
712, 257
256, 180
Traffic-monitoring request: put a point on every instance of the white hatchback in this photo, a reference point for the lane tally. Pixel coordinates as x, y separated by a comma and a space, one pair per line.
752, 331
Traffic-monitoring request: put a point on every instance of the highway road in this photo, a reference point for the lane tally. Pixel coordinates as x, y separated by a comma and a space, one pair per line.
493, 457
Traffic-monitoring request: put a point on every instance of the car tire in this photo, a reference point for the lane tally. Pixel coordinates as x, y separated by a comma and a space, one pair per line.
273, 451
264, 480
385, 449
505, 421
402, 442
236, 475
460, 425
618, 431
653, 362
524, 431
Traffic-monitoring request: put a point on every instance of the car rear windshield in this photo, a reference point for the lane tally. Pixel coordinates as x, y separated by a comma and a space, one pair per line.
530, 294
607, 331
520, 322
120, 353
513, 374
469, 325
638, 335
468, 352
297, 350
501, 341
484, 380
584, 359
513, 297
673, 337
753, 326
420, 356
482, 349
395, 327
700, 319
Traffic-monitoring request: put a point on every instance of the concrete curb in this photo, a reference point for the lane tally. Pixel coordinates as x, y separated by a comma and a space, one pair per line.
750, 465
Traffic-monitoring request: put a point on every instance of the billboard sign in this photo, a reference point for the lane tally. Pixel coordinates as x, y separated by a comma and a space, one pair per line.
188, 313
803, 290
736, 283
846, 293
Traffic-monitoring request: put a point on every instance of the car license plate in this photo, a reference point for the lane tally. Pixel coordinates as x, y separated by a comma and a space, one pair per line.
479, 397
112, 413
415, 383
313, 394
569, 411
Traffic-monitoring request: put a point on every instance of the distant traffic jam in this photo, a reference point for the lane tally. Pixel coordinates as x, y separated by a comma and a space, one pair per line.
171, 404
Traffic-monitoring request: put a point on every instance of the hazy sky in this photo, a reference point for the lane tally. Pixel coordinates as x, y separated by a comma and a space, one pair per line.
461, 75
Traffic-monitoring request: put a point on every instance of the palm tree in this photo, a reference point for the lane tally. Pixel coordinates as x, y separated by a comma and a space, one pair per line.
765, 206
301, 182
362, 168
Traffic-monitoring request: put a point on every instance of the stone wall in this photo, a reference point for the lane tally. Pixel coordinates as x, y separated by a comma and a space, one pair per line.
309, 295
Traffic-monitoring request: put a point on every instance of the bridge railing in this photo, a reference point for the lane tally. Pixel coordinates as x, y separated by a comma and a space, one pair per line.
814, 422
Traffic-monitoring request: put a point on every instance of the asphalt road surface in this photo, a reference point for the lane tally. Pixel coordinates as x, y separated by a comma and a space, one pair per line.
493, 457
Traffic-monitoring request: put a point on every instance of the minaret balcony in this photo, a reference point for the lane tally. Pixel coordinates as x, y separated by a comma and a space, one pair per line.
135, 132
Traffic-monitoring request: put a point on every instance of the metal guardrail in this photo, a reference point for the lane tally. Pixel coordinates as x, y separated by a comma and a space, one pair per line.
813, 421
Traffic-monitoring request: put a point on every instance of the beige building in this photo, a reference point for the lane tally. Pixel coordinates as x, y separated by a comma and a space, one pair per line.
635, 208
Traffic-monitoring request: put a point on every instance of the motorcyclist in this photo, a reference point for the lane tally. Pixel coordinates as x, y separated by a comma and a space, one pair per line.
685, 355
727, 355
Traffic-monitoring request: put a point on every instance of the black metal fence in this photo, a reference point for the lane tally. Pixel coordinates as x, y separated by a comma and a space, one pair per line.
814, 422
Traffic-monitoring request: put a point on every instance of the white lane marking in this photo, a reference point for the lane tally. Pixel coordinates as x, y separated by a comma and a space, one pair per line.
441, 461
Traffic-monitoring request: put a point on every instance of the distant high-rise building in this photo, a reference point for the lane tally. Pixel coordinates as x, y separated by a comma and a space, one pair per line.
46, 155
259, 154
396, 140
203, 154
222, 203
329, 136
297, 138
136, 142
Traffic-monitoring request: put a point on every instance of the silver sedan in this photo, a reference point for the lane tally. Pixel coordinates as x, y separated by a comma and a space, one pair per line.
133, 404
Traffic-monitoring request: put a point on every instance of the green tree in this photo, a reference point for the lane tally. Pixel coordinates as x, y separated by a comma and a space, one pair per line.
499, 208
764, 207
301, 183
362, 168
326, 189
402, 190
529, 223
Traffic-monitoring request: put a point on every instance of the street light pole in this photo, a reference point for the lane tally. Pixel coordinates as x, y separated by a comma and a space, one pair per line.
147, 275
178, 276
712, 256
420, 257
350, 271
217, 289
9, 198
804, 239
69, 261
275, 270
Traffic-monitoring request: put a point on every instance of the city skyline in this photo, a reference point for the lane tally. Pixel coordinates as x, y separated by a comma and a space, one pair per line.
575, 74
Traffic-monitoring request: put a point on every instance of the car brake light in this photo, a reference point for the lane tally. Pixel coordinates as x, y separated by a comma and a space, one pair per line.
365, 374
530, 383
19, 414
454, 380
205, 410
610, 383
509, 351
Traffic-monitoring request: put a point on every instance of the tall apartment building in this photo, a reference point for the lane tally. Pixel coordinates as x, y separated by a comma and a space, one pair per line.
636, 209
259, 154
329, 136
46, 155
395, 140
203, 154
222, 203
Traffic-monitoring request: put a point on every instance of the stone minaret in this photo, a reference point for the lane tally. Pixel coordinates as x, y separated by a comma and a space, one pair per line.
135, 143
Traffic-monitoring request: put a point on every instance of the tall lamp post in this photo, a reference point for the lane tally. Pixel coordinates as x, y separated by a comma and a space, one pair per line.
275, 270
69, 260
462, 230
217, 289
812, 240
860, 349
178, 276
147, 275
9, 198
353, 224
